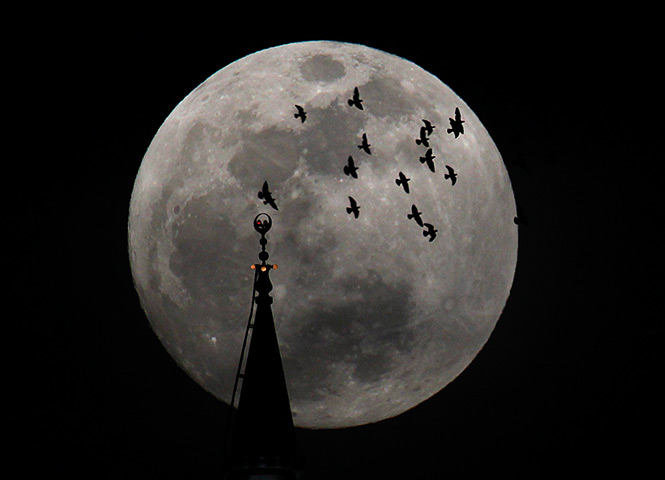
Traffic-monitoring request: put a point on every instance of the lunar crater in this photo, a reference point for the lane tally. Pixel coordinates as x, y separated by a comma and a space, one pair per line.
387, 98
270, 154
322, 68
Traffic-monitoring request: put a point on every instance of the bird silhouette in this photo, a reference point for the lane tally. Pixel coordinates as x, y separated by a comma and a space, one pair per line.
355, 101
450, 175
456, 124
267, 197
429, 159
415, 214
430, 232
520, 218
302, 114
428, 126
350, 168
403, 181
354, 208
364, 145
423, 139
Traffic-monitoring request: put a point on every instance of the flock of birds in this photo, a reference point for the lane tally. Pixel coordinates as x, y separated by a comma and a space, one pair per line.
351, 170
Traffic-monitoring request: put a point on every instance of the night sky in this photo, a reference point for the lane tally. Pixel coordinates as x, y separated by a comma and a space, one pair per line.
566, 383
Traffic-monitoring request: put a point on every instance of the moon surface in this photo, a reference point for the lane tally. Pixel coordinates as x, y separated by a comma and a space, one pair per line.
372, 317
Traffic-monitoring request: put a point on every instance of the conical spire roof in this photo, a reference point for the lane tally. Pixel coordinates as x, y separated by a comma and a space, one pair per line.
263, 434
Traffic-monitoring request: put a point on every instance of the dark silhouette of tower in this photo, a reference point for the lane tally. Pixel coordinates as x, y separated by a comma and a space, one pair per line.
261, 431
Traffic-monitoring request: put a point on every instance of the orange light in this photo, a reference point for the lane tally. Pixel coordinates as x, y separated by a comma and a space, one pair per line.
263, 269
253, 267
274, 267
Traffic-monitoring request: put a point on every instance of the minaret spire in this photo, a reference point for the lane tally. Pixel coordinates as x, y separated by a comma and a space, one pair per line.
262, 435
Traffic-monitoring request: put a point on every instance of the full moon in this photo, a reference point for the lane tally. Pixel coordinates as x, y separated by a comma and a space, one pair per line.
376, 309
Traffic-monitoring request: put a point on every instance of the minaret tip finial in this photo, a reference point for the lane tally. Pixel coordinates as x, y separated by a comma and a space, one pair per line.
263, 223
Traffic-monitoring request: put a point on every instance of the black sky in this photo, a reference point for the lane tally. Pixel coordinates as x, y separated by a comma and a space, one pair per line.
568, 379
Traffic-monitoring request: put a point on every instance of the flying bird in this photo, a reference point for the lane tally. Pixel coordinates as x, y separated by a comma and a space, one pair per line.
415, 214
350, 168
430, 232
266, 196
456, 124
364, 145
429, 159
428, 126
450, 175
423, 139
403, 181
302, 114
520, 218
354, 208
355, 101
